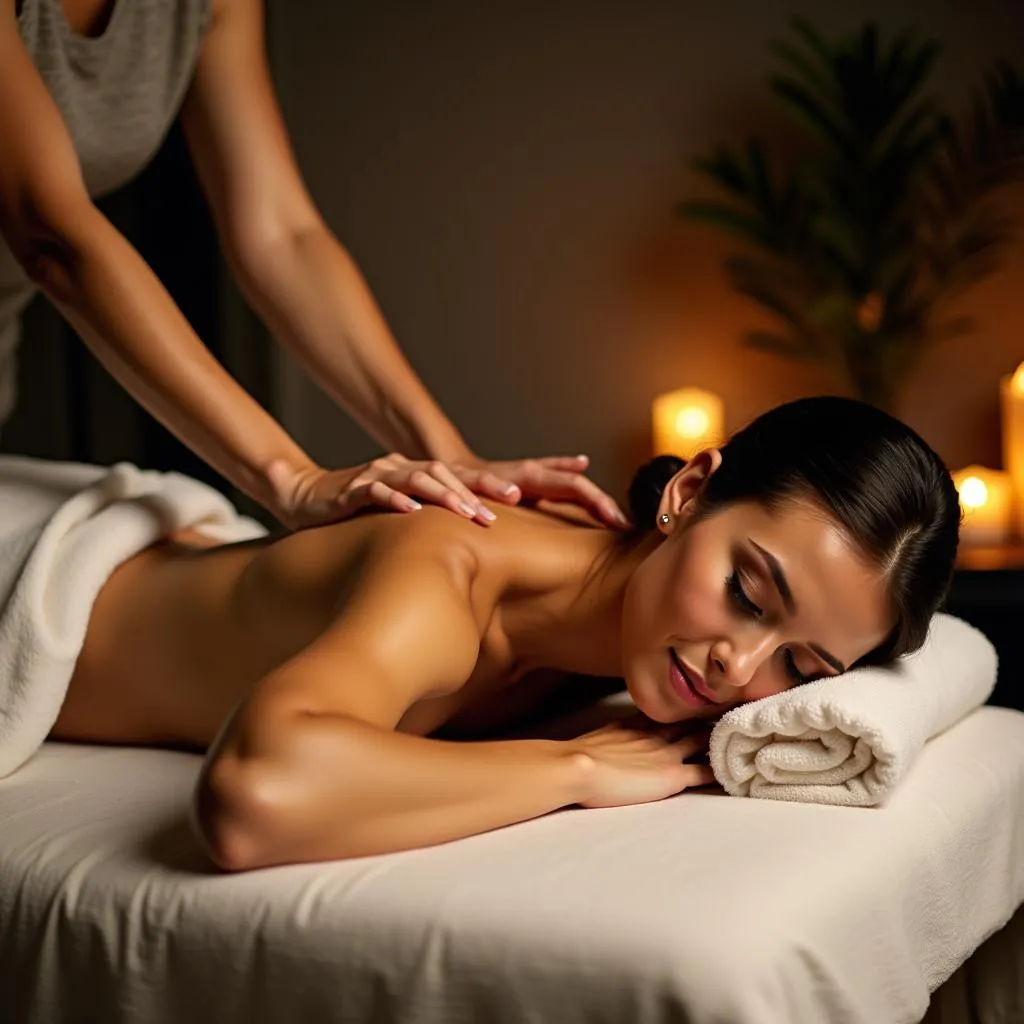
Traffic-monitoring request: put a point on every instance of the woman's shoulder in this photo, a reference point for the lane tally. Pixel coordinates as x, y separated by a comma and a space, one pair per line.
358, 548
524, 549
445, 534
522, 545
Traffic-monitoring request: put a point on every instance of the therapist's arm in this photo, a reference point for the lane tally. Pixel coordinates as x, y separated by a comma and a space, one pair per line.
310, 293
294, 272
110, 296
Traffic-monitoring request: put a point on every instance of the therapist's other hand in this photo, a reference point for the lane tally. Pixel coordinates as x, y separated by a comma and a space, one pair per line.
311, 496
556, 478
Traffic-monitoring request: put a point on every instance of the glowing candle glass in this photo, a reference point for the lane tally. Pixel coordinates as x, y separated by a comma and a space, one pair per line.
986, 498
686, 421
1012, 389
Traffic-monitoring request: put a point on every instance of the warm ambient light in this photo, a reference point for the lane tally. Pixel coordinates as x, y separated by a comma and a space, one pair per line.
692, 423
986, 498
1013, 437
685, 421
973, 492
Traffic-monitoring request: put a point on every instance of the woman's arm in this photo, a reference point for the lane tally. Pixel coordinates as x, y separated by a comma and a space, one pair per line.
108, 293
331, 787
309, 767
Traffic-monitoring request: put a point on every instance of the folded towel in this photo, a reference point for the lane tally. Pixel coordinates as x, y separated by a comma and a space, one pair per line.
64, 529
850, 739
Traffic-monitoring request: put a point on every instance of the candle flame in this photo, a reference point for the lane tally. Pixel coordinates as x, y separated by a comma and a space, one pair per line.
1017, 382
686, 420
692, 422
973, 492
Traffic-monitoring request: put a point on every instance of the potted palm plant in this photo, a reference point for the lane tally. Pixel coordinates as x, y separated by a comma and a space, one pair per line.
860, 248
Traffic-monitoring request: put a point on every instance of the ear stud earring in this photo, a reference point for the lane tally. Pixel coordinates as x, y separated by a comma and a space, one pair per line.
665, 519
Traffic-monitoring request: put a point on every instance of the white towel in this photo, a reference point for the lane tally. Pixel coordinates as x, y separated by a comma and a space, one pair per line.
850, 739
64, 529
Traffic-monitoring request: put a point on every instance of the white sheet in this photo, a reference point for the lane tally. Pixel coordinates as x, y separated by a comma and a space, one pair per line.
702, 908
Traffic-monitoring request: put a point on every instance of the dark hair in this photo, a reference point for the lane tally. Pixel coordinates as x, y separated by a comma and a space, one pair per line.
887, 488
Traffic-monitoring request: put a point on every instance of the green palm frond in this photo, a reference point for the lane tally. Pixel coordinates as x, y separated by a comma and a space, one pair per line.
779, 345
973, 253
747, 227
813, 40
808, 67
770, 297
892, 211
773, 215
802, 100
744, 173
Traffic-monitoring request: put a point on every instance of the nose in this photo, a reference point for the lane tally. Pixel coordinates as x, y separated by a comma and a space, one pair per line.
738, 659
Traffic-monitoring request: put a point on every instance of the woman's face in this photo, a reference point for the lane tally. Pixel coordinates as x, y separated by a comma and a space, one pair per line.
743, 604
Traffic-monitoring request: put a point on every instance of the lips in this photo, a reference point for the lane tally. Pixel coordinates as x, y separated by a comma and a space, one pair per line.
696, 680
685, 683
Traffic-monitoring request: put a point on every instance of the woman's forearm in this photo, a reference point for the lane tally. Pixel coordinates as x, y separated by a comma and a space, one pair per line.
312, 296
106, 291
328, 787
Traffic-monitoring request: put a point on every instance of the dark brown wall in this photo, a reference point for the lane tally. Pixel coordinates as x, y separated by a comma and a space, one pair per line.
504, 173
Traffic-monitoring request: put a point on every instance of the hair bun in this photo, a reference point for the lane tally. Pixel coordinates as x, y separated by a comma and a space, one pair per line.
646, 489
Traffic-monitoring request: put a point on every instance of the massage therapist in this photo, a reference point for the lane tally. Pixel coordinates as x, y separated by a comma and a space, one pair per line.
88, 90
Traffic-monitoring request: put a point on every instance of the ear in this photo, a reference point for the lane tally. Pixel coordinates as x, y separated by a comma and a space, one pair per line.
685, 485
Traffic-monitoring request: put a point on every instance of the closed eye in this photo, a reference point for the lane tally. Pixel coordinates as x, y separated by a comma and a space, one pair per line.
741, 599
739, 596
793, 672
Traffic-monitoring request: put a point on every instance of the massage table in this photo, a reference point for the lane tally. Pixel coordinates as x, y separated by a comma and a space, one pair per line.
703, 908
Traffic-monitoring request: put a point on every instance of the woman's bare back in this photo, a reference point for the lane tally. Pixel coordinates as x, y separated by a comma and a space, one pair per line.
184, 630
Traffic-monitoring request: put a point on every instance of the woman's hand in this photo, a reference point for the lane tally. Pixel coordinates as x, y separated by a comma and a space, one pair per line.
557, 478
636, 761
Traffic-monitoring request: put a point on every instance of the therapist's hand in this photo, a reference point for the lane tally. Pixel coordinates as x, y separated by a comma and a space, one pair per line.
312, 495
557, 478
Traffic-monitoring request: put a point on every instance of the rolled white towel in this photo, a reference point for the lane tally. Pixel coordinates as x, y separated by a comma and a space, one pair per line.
850, 739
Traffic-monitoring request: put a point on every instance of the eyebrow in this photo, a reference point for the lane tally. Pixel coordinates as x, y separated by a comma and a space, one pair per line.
782, 584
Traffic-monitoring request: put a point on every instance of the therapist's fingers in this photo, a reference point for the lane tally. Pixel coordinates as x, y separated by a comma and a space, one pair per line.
313, 495
489, 484
540, 481
394, 482
566, 463
436, 483
376, 494
555, 478
500, 482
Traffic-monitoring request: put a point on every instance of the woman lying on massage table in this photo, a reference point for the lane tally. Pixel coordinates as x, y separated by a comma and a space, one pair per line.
313, 669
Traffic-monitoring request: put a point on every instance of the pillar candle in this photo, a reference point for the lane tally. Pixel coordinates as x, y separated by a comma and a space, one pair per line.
1012, 389
986, 499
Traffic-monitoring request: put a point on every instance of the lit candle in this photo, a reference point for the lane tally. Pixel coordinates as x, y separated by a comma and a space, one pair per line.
1012, 389
685, 421
985, 497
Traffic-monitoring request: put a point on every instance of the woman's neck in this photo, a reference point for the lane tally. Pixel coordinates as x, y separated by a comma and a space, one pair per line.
576, 625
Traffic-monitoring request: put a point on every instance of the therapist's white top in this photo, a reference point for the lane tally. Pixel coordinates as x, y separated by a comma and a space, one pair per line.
118, 93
